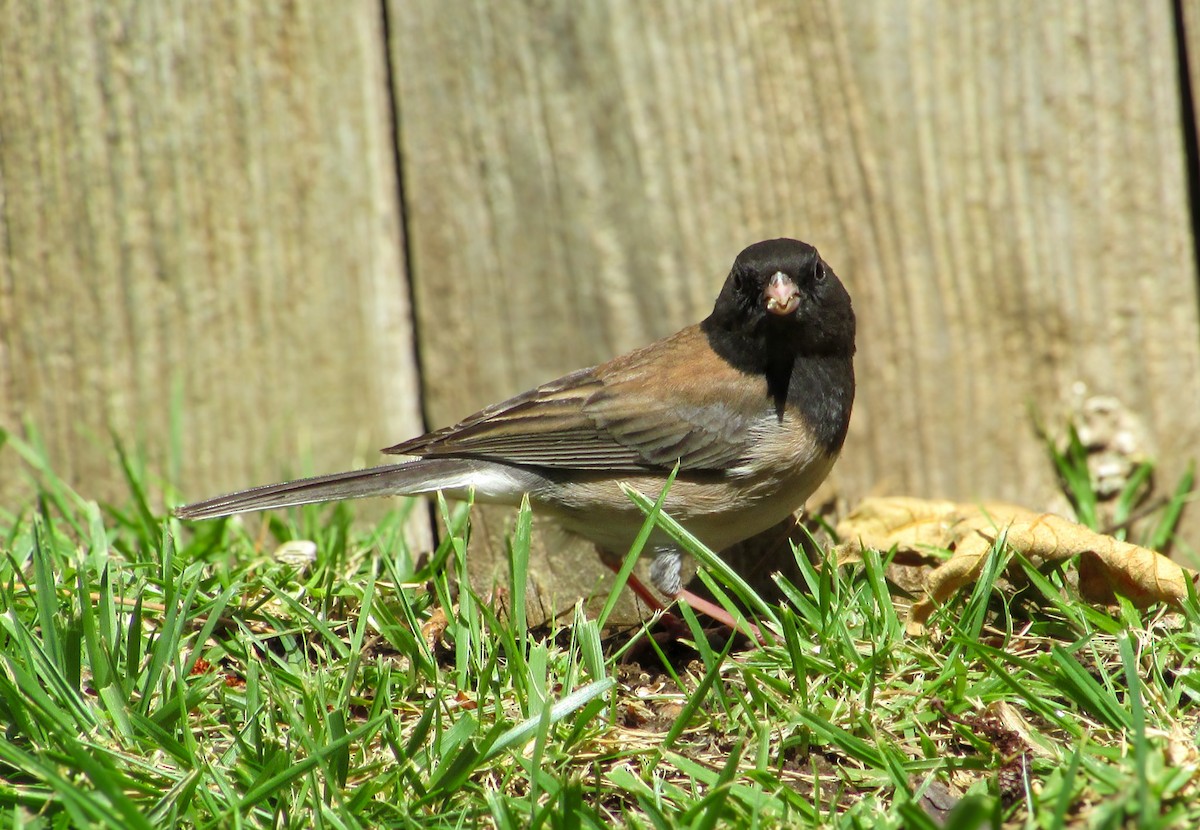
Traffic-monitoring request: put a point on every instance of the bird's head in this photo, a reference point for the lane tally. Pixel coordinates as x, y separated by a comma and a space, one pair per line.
781, 290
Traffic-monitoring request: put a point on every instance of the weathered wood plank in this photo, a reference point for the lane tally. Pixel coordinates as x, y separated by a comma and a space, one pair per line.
1000, 185
1035, 171
199, 194
200, 199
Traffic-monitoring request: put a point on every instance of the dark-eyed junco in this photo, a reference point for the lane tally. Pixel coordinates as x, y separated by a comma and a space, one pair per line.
753, 404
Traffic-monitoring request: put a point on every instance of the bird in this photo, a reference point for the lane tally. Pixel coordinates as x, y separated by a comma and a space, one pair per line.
749, 408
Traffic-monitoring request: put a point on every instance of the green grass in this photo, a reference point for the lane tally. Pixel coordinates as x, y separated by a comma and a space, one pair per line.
153, 675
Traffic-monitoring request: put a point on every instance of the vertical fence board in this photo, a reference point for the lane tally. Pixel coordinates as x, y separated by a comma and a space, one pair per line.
200, 218
1002, 187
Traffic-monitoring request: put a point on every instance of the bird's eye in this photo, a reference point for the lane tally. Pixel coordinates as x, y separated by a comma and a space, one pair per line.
820, 272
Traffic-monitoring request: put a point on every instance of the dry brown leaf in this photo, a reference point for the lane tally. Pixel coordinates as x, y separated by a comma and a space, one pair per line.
1181, 746
1107, 566
434, 627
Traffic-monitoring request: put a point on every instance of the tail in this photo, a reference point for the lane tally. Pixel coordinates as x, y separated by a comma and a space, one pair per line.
456, 476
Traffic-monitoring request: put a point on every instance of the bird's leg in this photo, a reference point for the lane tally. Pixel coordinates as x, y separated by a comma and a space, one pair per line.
674, 626
666, 572
720, 614
638, 587
613, 563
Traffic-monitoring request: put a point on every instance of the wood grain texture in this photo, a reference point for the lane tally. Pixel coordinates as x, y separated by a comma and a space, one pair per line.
204, 199
1034, 169
1001, 186
200, 213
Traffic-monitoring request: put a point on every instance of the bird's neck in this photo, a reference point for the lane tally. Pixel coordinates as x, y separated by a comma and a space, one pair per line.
821, 389
816, 383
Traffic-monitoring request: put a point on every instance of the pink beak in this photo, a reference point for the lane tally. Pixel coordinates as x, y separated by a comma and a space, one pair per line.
781, 294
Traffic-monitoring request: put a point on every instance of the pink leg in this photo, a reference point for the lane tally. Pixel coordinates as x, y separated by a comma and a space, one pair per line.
697, 603
719, 614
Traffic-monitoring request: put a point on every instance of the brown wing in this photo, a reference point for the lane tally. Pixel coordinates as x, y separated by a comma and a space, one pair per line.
673, 401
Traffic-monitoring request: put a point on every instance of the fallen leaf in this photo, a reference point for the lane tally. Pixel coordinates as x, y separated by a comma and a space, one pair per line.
434, 627
299, 553
1107, 566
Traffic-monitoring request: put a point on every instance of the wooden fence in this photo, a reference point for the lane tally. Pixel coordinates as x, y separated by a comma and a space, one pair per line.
258, 239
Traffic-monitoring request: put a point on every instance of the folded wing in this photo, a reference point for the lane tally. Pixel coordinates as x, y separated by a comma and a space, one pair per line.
646, 410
